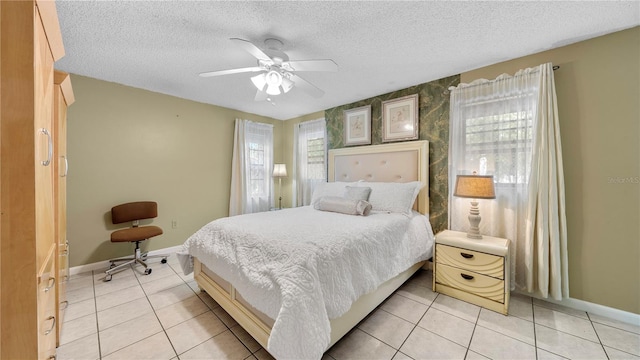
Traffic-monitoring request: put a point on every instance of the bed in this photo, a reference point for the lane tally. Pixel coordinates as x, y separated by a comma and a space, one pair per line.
309, 306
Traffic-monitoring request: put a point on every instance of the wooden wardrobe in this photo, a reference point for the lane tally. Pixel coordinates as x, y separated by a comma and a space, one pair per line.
33, 246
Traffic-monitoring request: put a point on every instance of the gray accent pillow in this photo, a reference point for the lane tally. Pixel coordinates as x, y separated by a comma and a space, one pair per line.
357, 193
343, 206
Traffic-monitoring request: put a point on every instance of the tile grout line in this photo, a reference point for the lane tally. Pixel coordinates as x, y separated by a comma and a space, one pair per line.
535, 336
475, 325
156, 315
379, 308
598, 336
397, 350
95, 304
192, 290
414, 325
152, 308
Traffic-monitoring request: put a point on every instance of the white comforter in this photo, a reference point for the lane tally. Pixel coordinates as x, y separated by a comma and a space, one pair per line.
303, 267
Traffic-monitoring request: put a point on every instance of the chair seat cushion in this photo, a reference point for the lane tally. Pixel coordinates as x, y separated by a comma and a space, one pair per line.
135, 234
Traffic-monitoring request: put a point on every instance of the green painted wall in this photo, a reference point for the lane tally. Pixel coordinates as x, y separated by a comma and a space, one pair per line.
433, 115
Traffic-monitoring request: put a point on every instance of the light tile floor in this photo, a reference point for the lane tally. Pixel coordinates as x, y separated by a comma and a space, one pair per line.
164, 316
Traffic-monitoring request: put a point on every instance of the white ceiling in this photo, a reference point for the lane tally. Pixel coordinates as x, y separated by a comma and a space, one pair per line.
379, 47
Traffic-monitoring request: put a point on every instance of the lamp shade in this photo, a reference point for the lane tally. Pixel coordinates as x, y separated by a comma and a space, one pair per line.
279, 170
475, 187
259, 81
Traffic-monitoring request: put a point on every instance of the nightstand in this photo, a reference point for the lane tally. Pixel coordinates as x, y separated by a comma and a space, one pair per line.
473, 270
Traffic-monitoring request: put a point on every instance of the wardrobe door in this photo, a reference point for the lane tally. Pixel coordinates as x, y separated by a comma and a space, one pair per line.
44, 203
63, 98
30, 40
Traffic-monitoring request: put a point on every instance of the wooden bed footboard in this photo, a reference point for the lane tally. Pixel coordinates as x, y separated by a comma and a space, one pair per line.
225, 295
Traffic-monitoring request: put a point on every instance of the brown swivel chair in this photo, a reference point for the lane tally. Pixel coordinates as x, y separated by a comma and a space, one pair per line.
134, 212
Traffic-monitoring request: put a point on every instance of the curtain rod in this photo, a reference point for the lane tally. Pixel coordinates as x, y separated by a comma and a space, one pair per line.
554, 67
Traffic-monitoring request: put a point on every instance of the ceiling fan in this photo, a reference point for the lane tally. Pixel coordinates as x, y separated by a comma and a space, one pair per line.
278, 73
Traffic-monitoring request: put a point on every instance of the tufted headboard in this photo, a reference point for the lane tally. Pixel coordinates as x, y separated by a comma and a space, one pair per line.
395, 162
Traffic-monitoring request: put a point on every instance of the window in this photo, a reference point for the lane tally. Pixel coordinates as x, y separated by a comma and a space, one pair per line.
310, 160
500, 145
257, 170
251, 168
316, 157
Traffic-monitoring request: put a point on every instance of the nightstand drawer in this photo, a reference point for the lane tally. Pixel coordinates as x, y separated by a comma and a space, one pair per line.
481, 285
486, 264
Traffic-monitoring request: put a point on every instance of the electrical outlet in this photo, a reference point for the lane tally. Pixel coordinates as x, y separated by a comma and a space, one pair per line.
174, 224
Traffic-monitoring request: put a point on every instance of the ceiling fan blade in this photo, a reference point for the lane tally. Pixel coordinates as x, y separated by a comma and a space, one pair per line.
251, 49
313, 65
231, 71
306, 86
261, 96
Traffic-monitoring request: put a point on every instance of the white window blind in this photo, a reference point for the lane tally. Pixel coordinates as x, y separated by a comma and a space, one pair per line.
310, 159
499, 143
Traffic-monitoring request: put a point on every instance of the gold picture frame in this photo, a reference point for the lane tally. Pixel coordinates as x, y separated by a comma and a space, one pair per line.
357, 126
400, 119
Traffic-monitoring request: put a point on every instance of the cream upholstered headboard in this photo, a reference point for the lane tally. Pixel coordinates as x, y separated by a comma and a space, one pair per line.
395, 162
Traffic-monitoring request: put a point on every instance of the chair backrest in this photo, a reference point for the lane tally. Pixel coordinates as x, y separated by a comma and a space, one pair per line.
132, 211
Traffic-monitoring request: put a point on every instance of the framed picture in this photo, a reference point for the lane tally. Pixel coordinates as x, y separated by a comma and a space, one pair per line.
400, 119
357, 126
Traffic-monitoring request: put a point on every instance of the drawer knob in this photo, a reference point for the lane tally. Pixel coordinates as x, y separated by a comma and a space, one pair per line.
466, 277
466, 256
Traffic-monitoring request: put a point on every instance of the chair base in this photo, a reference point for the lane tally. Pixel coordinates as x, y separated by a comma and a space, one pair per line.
138, 258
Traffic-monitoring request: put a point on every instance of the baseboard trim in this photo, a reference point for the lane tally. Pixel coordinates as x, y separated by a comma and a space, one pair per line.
104, 264
593, 308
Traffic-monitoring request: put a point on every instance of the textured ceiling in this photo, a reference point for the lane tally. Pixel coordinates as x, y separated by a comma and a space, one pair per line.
379, 47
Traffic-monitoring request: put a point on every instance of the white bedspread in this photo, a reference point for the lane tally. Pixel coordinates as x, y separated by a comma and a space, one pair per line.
303, 266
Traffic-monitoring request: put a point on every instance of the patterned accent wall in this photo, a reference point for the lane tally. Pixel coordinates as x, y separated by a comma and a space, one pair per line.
433, 120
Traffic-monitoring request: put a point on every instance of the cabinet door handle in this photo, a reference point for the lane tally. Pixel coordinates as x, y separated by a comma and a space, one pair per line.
466, 256
50, 147
52, 282
66, 166
466, 277
66, 305
53, 325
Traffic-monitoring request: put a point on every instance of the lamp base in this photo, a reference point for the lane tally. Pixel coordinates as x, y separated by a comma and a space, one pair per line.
280, 193
474, 236
474, 221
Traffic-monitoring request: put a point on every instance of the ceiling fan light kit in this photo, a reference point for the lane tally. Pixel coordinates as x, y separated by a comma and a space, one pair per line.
259, 81
279, 73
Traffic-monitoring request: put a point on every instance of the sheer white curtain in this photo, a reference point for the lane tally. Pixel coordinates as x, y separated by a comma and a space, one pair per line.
251, 168
509, 128
310, 159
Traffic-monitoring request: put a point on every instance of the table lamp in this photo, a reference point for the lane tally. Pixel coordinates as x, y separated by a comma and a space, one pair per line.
475, 187
279, 171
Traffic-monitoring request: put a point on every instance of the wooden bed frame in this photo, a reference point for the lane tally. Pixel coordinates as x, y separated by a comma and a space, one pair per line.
396, 162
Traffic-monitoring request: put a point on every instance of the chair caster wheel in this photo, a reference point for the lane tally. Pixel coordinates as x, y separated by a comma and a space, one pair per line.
107, 278
112, 265
147, 271
164, 260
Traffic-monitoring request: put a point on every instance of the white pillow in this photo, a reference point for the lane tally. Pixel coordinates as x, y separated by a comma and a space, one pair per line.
357, 193
392, 196
328, 189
